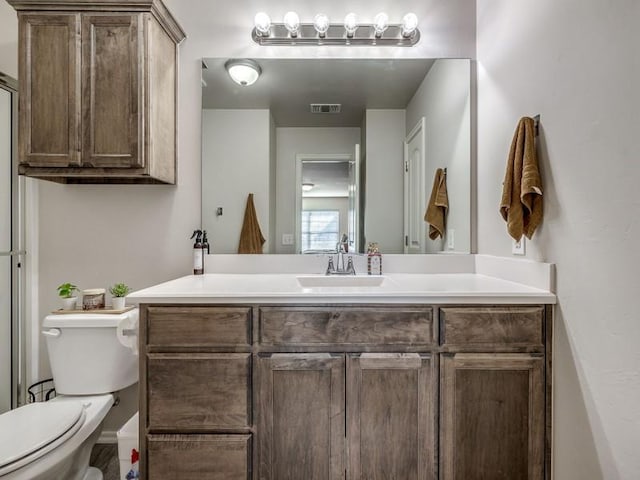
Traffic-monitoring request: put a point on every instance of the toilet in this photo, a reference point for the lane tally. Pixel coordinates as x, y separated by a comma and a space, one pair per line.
53, 440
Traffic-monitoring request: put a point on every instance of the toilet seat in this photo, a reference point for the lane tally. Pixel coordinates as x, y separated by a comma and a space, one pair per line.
31, 431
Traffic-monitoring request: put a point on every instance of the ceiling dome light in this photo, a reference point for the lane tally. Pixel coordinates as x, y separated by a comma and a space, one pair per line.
321, 24
243, 72
262, 24
292, 23
306, 187
380, 23
350, 24
409, 24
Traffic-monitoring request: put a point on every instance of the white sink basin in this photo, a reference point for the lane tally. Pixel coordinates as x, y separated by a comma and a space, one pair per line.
315, 281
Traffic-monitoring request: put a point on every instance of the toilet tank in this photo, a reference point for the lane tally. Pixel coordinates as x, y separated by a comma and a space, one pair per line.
85, 354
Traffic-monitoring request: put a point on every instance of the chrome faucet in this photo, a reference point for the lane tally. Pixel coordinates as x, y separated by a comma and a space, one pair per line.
341, 249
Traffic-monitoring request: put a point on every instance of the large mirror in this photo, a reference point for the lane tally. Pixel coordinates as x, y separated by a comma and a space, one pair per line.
339, 151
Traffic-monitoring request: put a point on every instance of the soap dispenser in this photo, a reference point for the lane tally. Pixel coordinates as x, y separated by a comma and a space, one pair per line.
374, 259
198, 257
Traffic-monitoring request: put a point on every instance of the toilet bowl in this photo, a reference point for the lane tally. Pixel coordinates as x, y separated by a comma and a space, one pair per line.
53, 440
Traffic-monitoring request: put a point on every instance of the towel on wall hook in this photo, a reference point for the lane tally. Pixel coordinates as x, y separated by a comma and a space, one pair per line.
521, 204
436, 214
251, 239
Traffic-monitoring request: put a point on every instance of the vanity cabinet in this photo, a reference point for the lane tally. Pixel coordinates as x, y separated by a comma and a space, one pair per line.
97, 91
358, 392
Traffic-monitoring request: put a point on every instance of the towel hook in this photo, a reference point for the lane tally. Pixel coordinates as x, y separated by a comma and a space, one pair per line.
536, 125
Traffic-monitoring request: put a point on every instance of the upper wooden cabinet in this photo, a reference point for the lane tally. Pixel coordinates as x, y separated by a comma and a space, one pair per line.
97, 91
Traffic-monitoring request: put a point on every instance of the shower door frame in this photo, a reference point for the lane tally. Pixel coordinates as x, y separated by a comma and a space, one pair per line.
17, 254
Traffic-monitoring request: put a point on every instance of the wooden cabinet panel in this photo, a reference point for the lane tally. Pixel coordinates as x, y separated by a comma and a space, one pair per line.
198, 391
301, 420
195, 457
492, 417
112, 70
391, 400
492, 328
313, 326
49, 71
193, 326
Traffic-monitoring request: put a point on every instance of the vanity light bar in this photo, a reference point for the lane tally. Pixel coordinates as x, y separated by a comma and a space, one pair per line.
322, 32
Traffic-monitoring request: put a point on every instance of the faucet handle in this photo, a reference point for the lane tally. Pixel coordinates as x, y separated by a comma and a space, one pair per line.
350, 269
330, 267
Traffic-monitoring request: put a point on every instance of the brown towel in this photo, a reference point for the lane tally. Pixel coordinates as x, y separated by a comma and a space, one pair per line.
521, 204
251, 239
436, 213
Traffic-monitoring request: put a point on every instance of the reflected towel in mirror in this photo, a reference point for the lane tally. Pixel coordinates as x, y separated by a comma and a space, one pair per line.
436, 213
251, 239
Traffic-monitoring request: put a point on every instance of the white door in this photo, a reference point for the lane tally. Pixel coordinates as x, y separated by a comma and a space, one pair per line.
415, 201
354, 201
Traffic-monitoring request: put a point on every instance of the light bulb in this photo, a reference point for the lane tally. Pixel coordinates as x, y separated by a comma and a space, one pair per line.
351, 24
321, 24
262, 23
292, 23
380, 23
409, 24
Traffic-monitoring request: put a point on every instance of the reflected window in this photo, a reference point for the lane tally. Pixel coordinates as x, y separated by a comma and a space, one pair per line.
320, 230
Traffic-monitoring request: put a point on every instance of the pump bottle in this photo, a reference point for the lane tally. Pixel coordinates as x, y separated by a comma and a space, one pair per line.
198, 260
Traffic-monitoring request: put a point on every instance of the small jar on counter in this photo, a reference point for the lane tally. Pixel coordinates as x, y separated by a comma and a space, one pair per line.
93, 298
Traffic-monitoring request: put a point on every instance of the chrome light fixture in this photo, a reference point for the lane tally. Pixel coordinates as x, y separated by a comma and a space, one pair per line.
243, 71
322, 32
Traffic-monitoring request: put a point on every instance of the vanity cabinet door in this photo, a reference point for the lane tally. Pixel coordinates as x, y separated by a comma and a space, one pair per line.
492, 417
391, 400
49, 71
301, 424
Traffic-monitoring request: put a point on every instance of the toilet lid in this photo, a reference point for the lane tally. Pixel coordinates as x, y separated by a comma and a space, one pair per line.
32, 427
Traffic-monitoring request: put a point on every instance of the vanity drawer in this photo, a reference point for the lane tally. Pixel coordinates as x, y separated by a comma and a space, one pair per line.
214, 457
314, 326
195, 326
492, 327
204, 391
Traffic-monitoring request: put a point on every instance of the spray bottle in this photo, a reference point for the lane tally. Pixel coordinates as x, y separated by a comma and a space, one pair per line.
198, 260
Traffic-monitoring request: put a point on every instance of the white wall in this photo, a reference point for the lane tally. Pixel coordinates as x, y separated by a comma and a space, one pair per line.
235, 162
577, 64
291, 141
384, 191
76, 240
444, 99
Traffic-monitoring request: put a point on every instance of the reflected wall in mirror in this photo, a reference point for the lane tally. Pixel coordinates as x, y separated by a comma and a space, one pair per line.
368, 156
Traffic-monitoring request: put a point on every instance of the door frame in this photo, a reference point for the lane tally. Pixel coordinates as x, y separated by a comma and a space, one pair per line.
320, 158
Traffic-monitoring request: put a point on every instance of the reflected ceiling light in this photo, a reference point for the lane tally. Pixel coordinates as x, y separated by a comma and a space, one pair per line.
409, 24
292, 23
321, 31
307, 186
350, 24
243, 71
380, 23
262, 23
321, 24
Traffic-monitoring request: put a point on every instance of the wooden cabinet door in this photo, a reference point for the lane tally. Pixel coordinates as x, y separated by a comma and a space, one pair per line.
49, 72
301, 416
391, 401
492, 417
112, 69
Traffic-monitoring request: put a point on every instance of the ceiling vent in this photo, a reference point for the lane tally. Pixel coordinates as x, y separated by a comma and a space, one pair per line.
325, 107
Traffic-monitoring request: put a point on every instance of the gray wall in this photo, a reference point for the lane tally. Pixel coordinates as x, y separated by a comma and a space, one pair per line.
384, 211
443, 99
577, 64
235, 162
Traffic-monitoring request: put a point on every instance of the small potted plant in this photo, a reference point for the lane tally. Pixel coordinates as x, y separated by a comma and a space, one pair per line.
65, 292
118, 292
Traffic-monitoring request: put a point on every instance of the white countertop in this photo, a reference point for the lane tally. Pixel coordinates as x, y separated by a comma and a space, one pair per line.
436, 288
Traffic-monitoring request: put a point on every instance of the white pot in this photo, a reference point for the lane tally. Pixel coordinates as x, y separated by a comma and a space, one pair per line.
117, 303
69, 303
